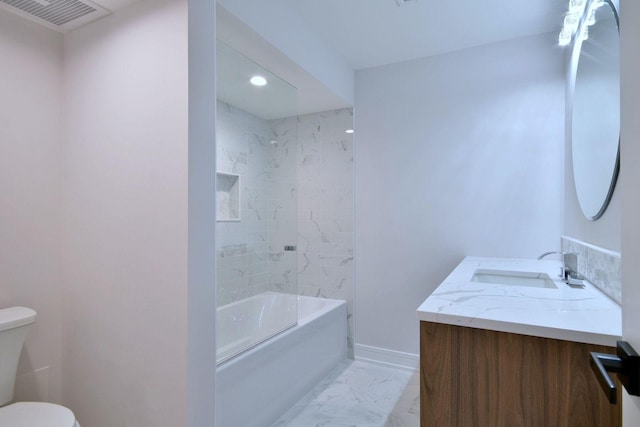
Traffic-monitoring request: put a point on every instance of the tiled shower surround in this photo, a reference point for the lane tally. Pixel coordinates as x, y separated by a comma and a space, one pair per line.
292, 171
242, 246
601, 267
251, 255
325, 208
282, 205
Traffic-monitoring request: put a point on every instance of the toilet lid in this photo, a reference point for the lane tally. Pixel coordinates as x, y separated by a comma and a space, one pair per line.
36, 414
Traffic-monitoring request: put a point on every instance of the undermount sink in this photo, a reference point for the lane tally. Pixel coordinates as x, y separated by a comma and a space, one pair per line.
514, 278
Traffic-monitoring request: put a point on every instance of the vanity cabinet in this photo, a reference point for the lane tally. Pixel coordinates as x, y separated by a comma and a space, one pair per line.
477, 377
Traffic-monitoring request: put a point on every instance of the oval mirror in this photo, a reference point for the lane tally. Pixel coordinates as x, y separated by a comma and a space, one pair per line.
595, 129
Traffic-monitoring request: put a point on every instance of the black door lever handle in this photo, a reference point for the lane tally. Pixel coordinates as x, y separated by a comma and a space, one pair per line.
626, 363
601, 364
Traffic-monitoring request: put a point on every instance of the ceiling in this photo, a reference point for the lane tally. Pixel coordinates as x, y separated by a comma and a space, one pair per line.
369, 33
233, 73
114, 5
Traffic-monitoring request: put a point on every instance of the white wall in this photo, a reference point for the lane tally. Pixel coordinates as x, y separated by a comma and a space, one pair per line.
30, 195
126, 177
202, 207
630, 155
458, 154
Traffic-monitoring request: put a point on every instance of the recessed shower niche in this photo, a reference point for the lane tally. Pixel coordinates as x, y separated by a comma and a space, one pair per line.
228, 197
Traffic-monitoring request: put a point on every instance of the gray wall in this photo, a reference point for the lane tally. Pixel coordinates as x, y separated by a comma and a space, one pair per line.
459, 154
630, 155
126, 218
30, 196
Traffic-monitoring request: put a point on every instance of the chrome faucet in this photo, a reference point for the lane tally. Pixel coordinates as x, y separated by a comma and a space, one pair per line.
569, 269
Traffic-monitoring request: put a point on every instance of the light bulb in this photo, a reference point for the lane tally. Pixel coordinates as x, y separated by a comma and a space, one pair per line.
576, 6
571, 22
564, 38
591, 15
584, 33
258, 81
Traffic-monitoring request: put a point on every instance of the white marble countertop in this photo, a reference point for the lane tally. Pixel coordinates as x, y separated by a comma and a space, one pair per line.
573, 314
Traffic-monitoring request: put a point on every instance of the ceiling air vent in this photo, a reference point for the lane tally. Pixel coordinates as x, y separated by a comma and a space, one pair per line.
59, 15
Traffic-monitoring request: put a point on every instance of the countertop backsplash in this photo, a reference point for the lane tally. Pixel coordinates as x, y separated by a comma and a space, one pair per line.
602, 267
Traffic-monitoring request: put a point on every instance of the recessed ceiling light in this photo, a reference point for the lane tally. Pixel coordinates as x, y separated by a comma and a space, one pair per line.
348, 131
258, 81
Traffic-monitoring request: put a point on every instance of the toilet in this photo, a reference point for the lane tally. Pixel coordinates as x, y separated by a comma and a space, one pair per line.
14, 325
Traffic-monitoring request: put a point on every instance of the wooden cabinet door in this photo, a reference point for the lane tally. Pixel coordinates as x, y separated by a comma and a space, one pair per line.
475, 377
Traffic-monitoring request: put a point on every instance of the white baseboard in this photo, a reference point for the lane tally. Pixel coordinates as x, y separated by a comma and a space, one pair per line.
386, 357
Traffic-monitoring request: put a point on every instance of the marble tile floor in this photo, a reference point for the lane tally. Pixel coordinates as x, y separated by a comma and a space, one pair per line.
359, 394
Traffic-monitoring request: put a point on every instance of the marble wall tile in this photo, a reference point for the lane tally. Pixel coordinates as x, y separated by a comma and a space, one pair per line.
325, 208
602, 267
296, 178
282, 204
242, 149
284, 132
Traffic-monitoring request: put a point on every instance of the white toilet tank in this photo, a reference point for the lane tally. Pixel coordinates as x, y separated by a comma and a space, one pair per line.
14, 325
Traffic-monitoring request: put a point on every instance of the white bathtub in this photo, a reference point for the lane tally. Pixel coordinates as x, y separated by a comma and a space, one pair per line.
256, 387
250, 321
